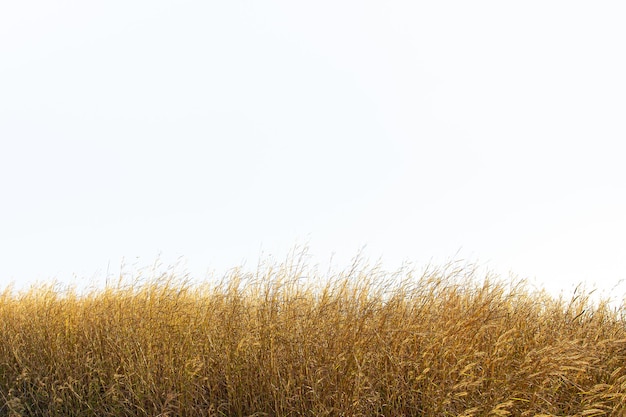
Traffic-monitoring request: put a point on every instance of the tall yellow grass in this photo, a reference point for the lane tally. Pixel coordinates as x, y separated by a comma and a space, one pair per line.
272, 343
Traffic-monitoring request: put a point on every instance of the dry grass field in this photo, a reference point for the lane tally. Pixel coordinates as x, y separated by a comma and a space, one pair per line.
271, 343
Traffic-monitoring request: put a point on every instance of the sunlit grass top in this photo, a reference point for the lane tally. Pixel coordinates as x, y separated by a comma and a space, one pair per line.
362, 342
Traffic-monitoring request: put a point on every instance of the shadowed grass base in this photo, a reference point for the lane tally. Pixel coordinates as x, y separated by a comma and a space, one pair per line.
359, 343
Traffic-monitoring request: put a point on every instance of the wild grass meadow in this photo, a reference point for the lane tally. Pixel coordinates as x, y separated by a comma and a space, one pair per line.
284, 341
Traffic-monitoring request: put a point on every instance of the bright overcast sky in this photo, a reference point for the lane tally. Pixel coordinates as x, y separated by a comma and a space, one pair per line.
221, 131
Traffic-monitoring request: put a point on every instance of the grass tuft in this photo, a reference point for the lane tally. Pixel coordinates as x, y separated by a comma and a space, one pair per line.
272, 343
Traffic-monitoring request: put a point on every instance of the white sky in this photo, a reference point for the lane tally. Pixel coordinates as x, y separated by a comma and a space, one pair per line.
220, 130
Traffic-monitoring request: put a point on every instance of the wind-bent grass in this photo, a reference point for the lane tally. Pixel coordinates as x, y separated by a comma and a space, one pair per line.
271, 343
